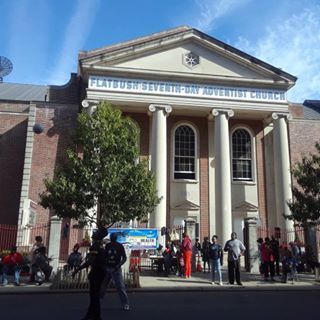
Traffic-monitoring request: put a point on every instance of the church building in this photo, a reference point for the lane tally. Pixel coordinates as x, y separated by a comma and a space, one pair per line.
214, 122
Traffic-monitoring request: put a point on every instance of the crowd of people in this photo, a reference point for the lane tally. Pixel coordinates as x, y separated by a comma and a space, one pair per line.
36, 263
284, 261
179, 255
179, 258
292, 258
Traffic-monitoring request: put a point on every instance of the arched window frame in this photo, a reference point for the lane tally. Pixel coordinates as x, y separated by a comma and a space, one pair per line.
196, 152
253, 156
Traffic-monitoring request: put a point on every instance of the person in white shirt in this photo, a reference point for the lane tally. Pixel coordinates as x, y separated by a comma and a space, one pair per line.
235, 249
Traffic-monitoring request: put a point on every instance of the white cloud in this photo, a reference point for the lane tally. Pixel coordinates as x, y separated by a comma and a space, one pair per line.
75, 36
293, 46
211, 10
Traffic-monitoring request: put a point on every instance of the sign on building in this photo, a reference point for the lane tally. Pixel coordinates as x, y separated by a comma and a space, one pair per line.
136, 238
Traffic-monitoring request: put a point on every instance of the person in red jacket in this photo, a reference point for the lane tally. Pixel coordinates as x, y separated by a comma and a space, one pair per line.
267, 256
186, 249
12, 261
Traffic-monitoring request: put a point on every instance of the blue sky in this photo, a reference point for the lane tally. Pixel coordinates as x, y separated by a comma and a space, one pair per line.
42, 37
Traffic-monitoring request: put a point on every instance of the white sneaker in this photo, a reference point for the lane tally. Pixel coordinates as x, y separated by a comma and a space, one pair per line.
220, 283
126, 307
212, 282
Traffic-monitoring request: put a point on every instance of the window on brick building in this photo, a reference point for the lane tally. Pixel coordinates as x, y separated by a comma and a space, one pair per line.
184, 153
241, 155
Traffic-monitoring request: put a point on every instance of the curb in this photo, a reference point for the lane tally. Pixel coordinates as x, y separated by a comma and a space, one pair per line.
283, 288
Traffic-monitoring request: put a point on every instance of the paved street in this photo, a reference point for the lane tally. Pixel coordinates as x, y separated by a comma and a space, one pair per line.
169, 305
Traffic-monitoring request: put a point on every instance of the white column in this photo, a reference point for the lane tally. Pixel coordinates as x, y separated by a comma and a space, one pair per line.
282, 169
222, 173
159, 161
54, 242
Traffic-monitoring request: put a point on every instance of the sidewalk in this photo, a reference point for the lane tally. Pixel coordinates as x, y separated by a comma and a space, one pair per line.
202, 282
198, 282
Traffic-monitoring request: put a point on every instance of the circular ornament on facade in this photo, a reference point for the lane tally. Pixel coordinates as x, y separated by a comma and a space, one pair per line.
191, 59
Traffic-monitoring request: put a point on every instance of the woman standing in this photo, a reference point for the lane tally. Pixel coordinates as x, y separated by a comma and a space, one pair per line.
205, 254
186, 248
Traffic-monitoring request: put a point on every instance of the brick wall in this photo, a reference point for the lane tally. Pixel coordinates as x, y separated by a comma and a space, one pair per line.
68, 93
296, 110
13, 129
303, 135
49, 147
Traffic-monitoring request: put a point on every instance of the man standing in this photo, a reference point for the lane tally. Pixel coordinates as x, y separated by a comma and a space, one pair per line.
235, 249
115, 257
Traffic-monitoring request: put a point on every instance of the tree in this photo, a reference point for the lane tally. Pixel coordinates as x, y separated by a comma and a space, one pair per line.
103, 184
305, 206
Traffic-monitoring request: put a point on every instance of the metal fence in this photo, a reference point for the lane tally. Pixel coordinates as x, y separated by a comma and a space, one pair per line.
63, 280
284, 236
8, 236
9, 233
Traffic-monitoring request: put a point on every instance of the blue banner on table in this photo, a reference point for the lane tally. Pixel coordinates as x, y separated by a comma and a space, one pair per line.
136, 238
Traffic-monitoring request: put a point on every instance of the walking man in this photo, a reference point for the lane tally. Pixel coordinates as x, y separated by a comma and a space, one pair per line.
115, 257
94, 259
235, 249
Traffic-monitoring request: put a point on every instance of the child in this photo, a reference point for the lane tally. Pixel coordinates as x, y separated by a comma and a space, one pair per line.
286, 258
180, 260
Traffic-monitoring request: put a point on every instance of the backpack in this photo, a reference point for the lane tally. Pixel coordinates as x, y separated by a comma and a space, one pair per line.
111, 256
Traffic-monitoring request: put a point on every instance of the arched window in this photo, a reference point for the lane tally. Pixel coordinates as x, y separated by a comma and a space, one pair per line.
184, 153
241, 155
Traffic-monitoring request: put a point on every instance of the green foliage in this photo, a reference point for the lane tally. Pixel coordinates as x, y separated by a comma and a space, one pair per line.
305, 206
105, 175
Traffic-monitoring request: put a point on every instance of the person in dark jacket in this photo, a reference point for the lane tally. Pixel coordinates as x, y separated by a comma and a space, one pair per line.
216, 259
276, 253
95, 259
75, 258
41, 264
205, 254
114, 257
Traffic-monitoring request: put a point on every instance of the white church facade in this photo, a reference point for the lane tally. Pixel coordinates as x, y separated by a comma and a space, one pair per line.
213, 124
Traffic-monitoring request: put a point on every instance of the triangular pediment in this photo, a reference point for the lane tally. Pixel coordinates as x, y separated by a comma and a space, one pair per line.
186, 205
245, 207
166, 53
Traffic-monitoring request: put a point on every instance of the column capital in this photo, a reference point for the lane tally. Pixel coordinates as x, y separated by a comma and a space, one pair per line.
165, 107
278, 115
88, 106
228, 112
85, 103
